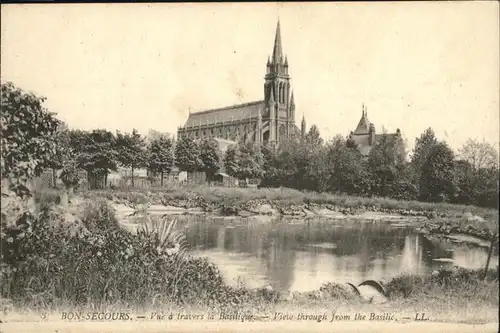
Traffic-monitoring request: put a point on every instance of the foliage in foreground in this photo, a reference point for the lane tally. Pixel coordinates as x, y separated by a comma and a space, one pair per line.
95, 262
27, 137
466, 283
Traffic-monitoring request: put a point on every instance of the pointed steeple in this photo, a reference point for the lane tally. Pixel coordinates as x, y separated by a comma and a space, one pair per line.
364, 124
292, 100
277, 50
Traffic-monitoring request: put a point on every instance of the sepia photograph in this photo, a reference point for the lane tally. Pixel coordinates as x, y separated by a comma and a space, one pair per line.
250, 167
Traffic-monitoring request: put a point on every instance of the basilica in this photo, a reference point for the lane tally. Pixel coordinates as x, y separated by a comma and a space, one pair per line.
267, 121
270, 120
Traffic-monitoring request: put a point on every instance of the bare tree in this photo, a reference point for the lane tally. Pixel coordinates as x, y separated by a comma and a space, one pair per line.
479, 154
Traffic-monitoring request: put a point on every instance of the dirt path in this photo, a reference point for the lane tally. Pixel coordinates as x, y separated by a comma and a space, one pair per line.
231, 326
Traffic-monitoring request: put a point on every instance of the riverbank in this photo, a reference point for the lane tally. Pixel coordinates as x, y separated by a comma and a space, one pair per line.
285, 201
433, 218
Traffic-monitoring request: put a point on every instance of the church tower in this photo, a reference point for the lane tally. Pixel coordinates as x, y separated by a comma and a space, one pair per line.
279, 105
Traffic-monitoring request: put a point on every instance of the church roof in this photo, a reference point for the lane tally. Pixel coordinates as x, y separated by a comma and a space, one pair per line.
364, 124
226, 114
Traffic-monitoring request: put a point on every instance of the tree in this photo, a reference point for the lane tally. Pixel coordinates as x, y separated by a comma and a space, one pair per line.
437, 178
464, 182
131, 149
95, 153
154, 135
318, 170
63, 150
210, 156
476, 174
271, 176
479, 154
231, 161
243, 161
386, 161
249, 162
311, 160
187, 155
287, 163
313, 137
27, 137
423, 145
161, 155
486, 187
348, 170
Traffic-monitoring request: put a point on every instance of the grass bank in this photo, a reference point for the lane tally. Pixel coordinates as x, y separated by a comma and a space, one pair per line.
442, 218
239, 197
92, 263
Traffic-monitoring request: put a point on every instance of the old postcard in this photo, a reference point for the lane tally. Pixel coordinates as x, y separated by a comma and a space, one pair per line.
237, 167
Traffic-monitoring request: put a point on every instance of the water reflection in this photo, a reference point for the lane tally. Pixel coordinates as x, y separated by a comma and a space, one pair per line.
302, 256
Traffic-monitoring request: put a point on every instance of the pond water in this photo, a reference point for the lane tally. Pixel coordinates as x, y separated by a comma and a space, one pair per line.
301, 255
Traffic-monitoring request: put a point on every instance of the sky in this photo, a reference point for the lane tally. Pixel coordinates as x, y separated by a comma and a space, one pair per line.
145, 66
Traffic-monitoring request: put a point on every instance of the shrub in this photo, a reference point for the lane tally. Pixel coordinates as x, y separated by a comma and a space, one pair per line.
458, 281
49, 266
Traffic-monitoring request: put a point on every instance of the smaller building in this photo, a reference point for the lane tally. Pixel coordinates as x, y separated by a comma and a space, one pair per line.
365, 136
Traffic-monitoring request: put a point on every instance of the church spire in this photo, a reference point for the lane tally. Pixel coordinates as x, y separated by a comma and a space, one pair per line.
277, 50
292, 100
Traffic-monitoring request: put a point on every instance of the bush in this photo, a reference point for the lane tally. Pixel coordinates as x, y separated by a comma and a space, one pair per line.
104, 264
47, 198
403, 191
458, 281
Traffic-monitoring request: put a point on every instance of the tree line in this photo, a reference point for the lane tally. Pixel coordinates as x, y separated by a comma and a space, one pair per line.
33, 139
